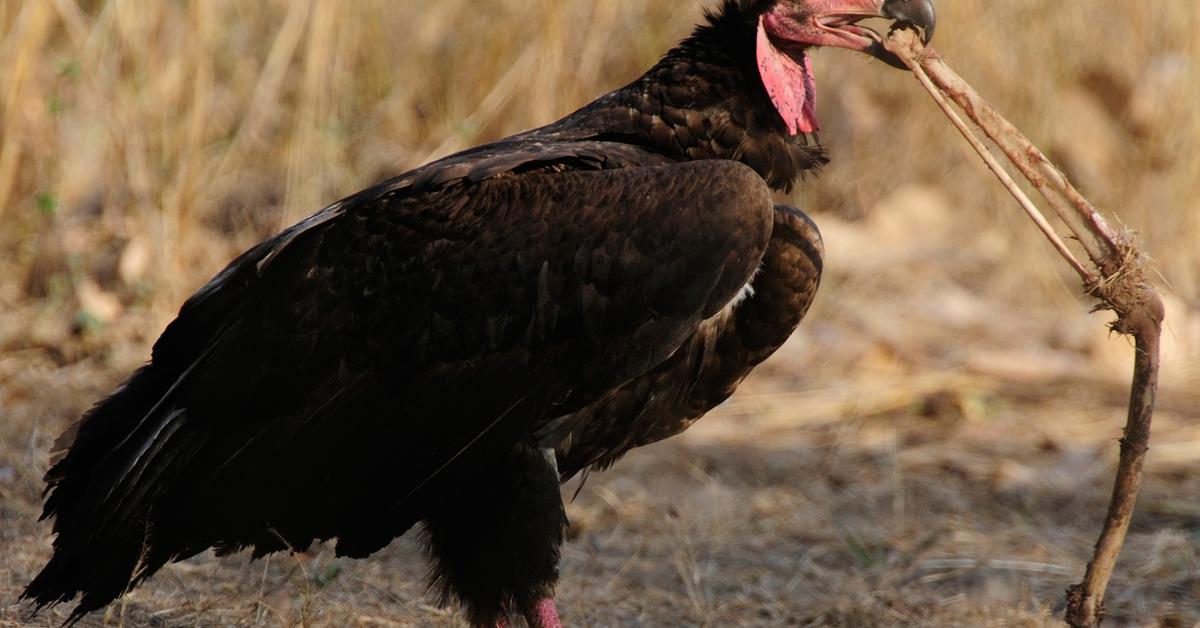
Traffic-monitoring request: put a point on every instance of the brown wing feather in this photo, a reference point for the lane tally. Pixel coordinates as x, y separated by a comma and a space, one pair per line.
708, 366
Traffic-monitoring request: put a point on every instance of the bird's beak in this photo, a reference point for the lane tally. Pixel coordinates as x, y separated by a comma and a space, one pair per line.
918, 14
835, 24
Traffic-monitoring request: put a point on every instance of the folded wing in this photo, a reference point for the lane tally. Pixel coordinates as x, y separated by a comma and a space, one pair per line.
347, 375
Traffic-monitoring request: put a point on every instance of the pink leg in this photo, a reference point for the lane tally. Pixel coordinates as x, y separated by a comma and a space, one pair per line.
543, 614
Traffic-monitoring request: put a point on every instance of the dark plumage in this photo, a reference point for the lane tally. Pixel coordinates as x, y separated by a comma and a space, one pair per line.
448, 345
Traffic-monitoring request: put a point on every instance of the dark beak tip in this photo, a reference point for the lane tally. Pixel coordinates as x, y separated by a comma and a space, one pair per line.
917, 13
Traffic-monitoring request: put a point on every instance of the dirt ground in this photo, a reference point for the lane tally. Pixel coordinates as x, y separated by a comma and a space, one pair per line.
934, 447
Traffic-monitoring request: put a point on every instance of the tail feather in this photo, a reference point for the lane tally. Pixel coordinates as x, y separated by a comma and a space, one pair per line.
94, 436
142, 442
128, 450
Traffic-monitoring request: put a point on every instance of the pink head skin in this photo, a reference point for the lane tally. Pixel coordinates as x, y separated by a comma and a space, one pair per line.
787, 28
789, 82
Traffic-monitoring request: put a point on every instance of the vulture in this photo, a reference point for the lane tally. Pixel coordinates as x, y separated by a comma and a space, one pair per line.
448, 346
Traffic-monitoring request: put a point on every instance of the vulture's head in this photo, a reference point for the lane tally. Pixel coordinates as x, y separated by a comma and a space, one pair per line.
787, 29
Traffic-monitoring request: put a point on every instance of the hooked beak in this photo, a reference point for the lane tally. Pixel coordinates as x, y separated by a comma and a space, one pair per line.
835, 24
918, 14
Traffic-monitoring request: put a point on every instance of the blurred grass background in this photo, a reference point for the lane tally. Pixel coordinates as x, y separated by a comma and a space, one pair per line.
144, 144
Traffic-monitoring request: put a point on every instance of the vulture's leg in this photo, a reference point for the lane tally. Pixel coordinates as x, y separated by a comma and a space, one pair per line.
495, 545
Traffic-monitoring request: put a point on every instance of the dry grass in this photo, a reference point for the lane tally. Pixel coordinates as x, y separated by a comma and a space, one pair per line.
934, 448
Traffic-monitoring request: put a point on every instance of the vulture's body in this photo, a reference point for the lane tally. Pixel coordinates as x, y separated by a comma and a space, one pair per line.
448, 345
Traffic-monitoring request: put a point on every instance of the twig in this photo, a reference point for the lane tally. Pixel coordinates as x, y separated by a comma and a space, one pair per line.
994, 165
1119, 281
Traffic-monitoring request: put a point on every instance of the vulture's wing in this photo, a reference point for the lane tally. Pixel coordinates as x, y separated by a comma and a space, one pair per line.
706, 369
337, 380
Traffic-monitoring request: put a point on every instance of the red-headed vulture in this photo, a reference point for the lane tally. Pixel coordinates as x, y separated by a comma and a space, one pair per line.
449, 345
